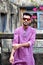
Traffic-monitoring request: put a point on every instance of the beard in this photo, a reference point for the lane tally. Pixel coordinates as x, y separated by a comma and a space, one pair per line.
26, 24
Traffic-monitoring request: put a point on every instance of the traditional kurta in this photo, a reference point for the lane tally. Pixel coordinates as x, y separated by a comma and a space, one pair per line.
24, 55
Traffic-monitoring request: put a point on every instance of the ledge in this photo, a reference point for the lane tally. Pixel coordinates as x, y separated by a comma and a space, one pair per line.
10, 36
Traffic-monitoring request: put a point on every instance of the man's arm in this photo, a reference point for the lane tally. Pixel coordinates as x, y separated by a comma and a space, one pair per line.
11, 59
25, 45
16, 46
13, 51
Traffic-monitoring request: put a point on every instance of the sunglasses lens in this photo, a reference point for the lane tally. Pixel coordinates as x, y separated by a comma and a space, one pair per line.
26, 19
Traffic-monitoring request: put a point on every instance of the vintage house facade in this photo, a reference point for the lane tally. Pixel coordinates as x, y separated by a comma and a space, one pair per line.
11, 17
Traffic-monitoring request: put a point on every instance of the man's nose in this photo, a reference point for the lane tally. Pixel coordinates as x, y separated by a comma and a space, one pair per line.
26, 20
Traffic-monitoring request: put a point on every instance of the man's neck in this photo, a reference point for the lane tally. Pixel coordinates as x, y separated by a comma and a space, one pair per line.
25, 27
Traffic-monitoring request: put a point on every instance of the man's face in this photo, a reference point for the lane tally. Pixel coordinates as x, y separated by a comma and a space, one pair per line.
26, 20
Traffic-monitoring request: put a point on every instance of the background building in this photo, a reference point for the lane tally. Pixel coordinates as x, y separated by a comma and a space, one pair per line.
11, 12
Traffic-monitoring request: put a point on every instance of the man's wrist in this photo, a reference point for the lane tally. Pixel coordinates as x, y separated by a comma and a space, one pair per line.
25, 45
12, 53
20, 45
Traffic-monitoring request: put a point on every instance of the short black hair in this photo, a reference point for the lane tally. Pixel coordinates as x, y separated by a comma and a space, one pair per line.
26, 13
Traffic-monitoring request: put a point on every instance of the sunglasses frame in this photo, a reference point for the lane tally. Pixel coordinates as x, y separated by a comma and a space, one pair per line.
28, 19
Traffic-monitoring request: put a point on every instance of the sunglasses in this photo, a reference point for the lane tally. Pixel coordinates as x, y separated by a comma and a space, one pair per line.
26, 19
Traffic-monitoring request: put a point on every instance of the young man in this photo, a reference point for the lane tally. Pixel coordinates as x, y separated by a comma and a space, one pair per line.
24, 39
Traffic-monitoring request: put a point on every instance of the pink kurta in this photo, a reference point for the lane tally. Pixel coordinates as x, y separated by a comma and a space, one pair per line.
24, 55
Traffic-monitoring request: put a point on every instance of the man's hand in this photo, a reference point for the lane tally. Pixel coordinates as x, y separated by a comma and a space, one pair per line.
11, 59
16, 46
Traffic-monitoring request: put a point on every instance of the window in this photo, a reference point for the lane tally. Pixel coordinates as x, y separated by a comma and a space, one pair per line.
40, 21
3, 20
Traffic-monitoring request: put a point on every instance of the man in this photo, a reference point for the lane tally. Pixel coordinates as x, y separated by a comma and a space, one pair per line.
24, 38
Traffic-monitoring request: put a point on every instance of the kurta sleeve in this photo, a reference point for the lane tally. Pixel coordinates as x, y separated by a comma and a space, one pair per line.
15, 38
32, 38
